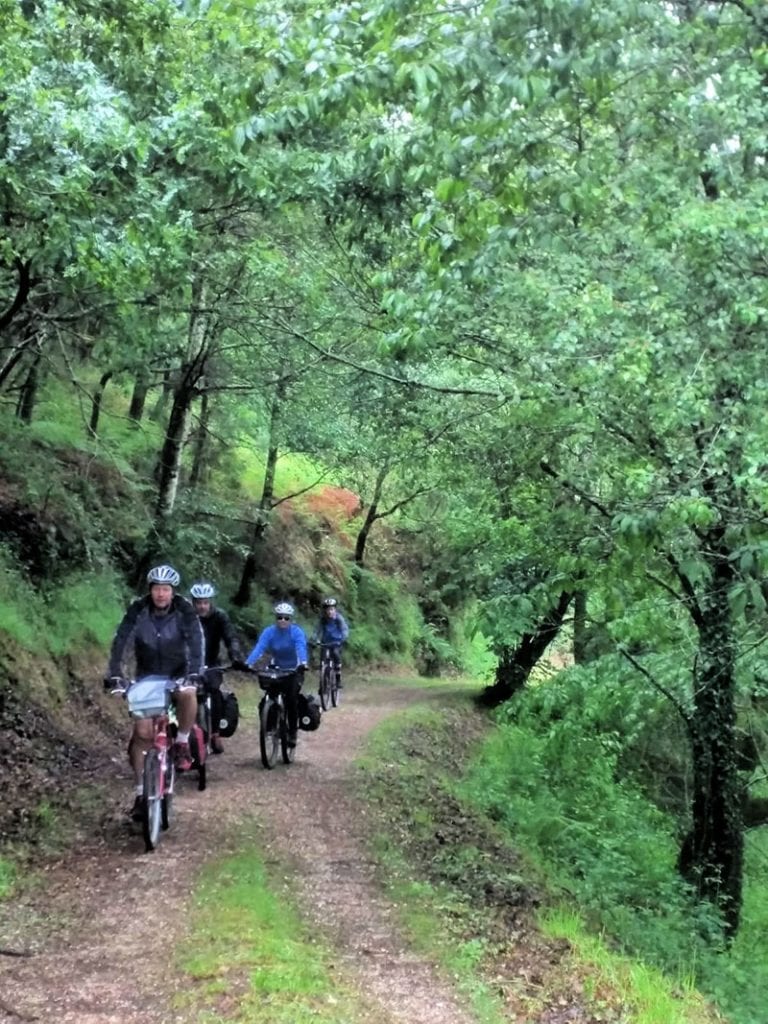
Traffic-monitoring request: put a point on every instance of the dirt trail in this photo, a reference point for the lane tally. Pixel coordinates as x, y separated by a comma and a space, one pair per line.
97, 953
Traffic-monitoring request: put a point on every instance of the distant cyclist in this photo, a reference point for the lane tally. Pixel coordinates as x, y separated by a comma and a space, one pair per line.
286, 645
163, 635
217, 628
332, 629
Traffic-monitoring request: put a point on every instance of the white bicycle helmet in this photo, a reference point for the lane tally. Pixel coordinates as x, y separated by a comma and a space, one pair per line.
283, 608
202, 590
329, 602
163, 574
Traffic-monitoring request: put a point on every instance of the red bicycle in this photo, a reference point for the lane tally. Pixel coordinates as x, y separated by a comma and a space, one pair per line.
150, 698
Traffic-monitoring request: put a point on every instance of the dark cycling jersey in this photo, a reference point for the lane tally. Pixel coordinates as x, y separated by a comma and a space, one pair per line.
218, 627
169, 644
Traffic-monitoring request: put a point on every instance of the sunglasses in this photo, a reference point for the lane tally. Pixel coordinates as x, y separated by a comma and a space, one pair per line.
283, 618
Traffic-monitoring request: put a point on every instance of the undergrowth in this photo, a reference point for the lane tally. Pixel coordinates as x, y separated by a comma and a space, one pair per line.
555, 778
466, 894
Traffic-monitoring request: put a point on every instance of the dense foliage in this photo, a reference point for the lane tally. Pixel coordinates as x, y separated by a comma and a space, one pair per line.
498, 269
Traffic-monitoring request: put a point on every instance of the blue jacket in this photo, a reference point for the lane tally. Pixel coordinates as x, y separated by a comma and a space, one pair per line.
331, 631
287, 646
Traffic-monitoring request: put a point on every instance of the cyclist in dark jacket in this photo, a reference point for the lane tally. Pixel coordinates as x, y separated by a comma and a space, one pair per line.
162, 634
332, 629
218, 629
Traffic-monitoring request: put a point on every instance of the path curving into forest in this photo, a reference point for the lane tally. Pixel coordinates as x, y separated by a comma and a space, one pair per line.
94, 951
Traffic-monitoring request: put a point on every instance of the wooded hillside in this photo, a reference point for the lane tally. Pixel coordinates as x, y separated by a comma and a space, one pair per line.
497, 270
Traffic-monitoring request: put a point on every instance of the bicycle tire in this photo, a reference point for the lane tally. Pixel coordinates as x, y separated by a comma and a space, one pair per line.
198, 759
151, 805
335, 692
325, 687
269, 733
167, 801
287, 749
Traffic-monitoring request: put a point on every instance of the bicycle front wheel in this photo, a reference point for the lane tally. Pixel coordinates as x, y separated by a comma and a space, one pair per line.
151, 810
335, 692
269, 731
325, 687
288, 750
167, 801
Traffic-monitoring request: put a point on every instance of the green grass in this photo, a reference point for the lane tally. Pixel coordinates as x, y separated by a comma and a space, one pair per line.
653, 997
8, 875
250, 958
553, 783
410, 779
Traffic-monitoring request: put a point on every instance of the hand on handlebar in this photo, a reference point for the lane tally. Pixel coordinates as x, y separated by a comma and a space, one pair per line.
115, 684
238, 665
195, 679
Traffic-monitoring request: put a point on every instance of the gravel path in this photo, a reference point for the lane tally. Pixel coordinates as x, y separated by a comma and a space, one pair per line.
96, 953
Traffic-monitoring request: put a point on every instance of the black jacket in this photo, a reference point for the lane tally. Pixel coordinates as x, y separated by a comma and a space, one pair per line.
217, 627
163, 645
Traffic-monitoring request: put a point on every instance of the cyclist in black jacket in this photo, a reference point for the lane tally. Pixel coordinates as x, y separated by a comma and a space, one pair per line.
162, 633
218, 629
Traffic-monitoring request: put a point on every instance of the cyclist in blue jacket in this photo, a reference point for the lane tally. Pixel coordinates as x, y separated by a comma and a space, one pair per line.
332, 629
286, 645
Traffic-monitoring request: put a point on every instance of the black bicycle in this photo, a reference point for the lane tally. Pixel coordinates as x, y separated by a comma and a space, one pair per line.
328, 686
273, 718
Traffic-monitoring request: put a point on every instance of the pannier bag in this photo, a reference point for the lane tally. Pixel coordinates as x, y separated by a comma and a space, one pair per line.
148, 697
309, 712
230, 714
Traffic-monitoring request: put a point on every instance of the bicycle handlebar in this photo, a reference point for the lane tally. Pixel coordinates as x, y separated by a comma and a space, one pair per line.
122, 686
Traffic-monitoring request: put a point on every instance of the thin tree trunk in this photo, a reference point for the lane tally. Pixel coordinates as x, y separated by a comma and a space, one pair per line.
28, 393
371, 516
96, 401
712, 855
192, 371
169, 465
243, 595
580, 636
139, 396
199, 466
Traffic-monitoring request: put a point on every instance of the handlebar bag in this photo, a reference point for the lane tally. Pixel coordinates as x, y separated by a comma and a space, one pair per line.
149, 696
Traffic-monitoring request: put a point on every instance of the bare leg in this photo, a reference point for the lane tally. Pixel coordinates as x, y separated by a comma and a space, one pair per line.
186, 708
139, 744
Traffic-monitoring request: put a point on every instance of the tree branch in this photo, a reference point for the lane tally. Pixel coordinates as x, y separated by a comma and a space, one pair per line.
657, 685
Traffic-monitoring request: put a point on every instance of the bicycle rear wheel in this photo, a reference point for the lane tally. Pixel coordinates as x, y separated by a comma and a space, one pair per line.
151, 810
269, 731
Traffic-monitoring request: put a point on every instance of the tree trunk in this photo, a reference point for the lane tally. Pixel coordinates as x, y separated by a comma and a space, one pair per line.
243, 595
139, 396
580, 635
96, 401
169, 465
199, 466
371, 516
516, 663
712, 855
192, 371
28, 394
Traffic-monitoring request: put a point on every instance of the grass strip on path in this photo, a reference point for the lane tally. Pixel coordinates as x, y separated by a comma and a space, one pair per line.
249, 957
